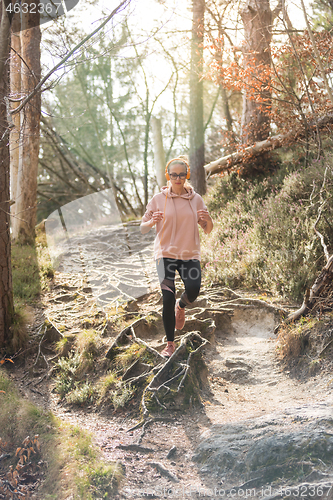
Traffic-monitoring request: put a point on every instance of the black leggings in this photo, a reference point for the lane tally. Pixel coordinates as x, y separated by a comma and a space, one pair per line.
190, 273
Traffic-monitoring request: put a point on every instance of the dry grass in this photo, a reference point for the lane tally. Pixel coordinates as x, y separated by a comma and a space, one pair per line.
290, 343
19, 328
293, 339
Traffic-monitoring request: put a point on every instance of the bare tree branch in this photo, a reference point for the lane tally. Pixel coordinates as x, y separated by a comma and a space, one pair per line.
317, 55
67, 56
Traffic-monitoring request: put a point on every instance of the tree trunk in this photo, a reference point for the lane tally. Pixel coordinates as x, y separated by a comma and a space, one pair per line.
230, 162
15, 90
257, 21
159, 154
230, 137
6, 291
26, 208
246, 156
197, 139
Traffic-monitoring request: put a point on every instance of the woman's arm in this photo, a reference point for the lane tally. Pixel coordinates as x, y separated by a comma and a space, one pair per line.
146, 226
154, 217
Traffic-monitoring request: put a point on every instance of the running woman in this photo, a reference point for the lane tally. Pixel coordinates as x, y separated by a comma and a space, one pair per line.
176, 211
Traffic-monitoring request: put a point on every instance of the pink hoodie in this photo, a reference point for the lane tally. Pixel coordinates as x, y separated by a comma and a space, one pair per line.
177, 235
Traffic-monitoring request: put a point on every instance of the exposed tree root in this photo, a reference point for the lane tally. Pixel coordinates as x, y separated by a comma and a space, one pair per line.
127, 336
248, 301
39, 349
135, 448
146, 422
165, 472
175, 367
53, 325
325, 347
227, 291
317, 298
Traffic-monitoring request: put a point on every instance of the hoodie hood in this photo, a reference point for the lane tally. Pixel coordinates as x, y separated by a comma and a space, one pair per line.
188, 196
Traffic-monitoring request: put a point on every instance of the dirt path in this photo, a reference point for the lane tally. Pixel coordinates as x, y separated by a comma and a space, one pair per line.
246, 376
245, 381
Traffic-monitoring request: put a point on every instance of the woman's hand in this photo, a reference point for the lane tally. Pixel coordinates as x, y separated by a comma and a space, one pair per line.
205, 220
156, 217
203, 215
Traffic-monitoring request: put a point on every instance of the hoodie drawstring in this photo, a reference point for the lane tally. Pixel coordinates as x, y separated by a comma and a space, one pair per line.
166, 197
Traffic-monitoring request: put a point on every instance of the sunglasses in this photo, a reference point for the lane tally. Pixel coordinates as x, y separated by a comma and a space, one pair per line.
175, 176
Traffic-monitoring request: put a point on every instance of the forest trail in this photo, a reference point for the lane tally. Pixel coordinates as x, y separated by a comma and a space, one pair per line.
247, 389
248, 395
247, 378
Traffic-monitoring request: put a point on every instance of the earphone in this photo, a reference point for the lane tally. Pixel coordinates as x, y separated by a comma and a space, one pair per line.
178, 160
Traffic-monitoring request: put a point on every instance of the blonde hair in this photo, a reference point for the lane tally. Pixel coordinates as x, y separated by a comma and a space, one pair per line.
178, 161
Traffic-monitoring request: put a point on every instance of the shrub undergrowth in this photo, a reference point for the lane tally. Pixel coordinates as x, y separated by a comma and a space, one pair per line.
263, 234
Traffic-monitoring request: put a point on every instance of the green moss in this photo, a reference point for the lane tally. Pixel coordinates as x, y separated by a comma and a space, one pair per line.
127, 355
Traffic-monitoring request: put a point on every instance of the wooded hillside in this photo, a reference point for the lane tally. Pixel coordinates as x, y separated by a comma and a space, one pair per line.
225, 86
